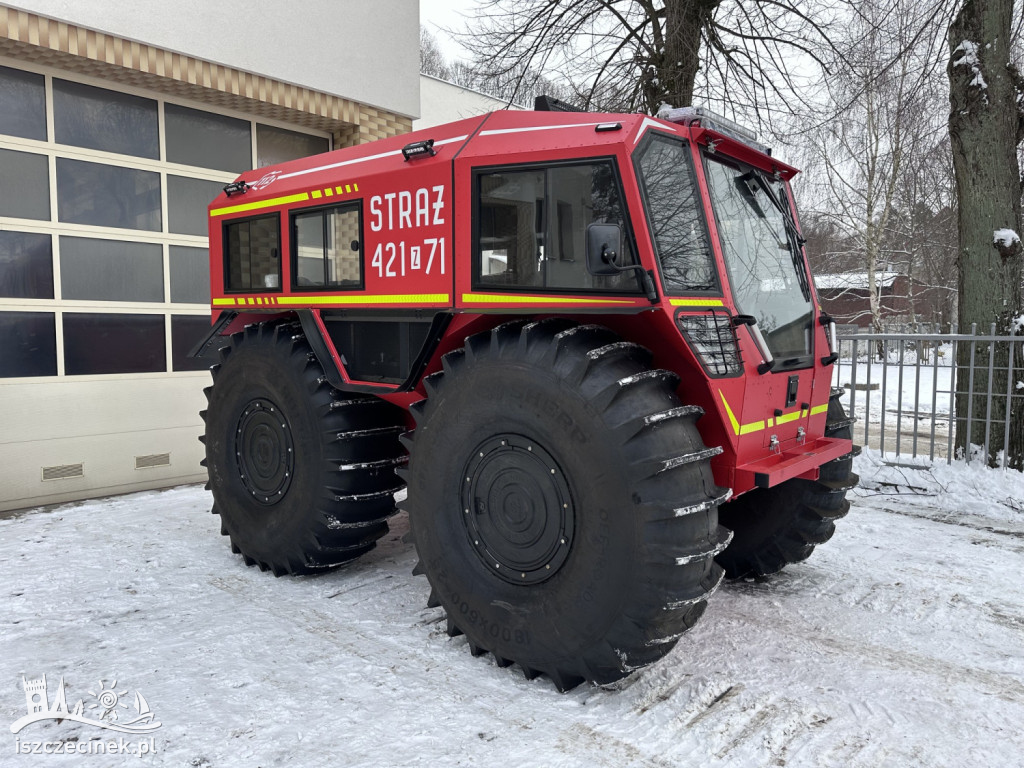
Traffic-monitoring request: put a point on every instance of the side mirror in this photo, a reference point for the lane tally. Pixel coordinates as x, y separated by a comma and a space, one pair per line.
604, 244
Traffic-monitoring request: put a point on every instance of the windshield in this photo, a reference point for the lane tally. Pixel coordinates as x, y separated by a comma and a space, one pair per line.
763, 257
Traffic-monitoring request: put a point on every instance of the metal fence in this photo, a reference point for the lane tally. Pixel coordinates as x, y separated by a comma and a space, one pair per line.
903, 388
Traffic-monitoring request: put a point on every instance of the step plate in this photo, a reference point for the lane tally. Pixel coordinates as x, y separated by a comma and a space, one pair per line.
800, 461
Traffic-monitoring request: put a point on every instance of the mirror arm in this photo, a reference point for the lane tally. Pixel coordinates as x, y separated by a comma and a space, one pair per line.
646, 279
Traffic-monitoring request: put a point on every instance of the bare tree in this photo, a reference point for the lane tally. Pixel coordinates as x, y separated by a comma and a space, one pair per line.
881, 116
637, 54
986, 125
432, 59
516, 87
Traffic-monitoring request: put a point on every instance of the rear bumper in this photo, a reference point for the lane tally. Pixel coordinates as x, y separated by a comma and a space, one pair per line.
800, 461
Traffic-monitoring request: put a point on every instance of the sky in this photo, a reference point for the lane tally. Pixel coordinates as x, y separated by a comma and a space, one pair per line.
439, 15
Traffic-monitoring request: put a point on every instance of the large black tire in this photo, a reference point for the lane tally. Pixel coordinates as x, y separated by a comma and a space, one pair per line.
562, 503
302, 475
777, 526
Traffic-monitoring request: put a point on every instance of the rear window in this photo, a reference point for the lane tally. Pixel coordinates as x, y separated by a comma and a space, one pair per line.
327, 248
252, 252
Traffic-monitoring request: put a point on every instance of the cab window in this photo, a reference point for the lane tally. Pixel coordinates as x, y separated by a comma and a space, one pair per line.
531, 227
675, 216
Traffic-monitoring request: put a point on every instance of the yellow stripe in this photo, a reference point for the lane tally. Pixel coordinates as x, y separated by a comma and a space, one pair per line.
426, 298
696, 302
349, 189
317, 194
339, 190
419, 298
737, 428
500, 298
729, 413
757, 426
355, 187
300, 197
329, 192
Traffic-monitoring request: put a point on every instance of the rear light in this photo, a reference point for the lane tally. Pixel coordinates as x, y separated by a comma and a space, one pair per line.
713, 339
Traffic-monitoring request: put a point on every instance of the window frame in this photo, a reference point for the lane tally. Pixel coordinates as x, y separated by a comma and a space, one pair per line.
648, 139
293, 247
627, 235
226, 255
796, 362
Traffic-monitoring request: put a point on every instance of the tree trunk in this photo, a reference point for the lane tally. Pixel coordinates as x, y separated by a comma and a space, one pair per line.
984, 127
673, 74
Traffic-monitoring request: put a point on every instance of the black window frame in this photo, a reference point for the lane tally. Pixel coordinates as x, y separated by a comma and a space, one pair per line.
226, 256
293, 247
628, 235
648, 139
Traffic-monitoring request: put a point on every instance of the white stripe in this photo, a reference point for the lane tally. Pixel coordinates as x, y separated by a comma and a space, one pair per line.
649, 122
538, 128
365, 159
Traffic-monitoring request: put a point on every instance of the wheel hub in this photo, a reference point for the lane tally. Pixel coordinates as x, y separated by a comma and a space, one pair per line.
517, 509
264, 451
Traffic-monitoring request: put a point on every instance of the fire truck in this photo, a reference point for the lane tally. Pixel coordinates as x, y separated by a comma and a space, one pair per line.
589, 345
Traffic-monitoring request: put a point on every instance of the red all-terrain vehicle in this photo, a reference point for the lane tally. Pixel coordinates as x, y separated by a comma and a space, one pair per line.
589, 344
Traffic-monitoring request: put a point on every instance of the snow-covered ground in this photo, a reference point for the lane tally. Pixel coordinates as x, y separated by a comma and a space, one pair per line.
899, 643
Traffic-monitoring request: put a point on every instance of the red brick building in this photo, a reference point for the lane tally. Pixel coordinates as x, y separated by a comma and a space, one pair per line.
846, 297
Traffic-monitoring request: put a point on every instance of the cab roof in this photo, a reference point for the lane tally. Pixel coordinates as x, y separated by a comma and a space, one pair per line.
494, 136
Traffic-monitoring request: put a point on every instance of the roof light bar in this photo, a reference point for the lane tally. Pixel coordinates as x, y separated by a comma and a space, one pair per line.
237, 188
715, 122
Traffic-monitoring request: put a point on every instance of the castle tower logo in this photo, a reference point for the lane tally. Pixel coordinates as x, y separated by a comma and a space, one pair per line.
104, 712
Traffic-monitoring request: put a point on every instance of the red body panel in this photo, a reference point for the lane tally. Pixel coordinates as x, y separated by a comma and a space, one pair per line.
417, 250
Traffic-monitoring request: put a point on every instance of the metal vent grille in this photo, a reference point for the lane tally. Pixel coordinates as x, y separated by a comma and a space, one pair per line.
713, 338
63, 471
153, 460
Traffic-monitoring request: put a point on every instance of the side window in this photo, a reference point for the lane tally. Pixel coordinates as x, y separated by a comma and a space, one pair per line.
327, 248
532, 225
253, 254
673, 209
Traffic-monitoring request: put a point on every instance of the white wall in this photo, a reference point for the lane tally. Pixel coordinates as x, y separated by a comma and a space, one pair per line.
364, 50
443, 102
103, 425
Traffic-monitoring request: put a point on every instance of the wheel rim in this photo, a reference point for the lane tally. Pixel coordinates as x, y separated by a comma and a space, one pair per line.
517, 509
264, 450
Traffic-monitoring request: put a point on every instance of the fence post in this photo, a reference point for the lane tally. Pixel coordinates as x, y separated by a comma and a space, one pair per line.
885, 377
954, 375
988, 400
970, 393
1009, 397
853, 387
